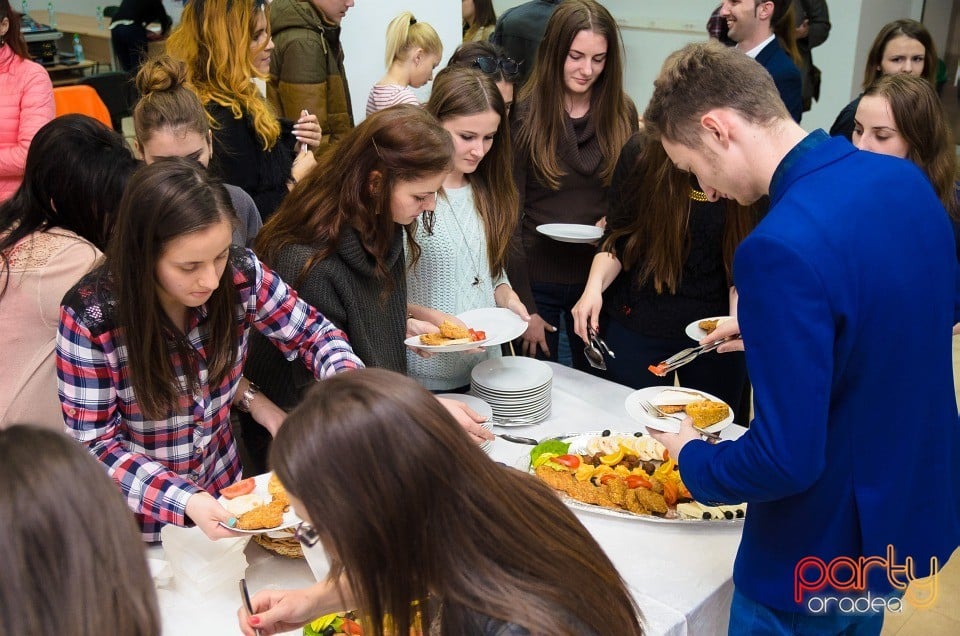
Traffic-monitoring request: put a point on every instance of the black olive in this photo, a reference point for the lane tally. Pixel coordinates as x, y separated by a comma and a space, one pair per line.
740, 513
728, 514
329, 630
706, 516
638, 434
605, 433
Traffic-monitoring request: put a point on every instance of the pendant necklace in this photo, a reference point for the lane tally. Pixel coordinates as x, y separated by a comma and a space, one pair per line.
463, 238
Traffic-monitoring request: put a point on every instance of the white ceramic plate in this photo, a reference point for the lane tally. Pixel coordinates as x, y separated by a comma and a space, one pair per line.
511, 374
478, 405
695, 332
571, 232
414, 341
239, 505
498, 323
523, 463
669, 424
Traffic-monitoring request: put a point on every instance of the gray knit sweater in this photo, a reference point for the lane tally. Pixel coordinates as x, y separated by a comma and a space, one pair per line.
345, 289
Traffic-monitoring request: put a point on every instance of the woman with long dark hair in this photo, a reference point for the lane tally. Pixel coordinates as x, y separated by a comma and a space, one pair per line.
666, 260
569, 124
73, 560
479, 19
432, 522
26, 99
901, 115
151, 345
901, 46
339, 240
52, 232
463, 250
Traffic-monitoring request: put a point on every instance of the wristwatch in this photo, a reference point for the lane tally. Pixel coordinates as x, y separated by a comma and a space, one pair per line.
247, 398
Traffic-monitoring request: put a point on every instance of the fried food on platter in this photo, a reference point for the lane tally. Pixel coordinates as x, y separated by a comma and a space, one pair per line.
262, 517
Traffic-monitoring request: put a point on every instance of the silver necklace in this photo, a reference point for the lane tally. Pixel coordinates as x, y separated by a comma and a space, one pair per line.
463, 239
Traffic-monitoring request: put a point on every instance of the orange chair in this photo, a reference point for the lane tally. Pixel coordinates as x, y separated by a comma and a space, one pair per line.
83, 100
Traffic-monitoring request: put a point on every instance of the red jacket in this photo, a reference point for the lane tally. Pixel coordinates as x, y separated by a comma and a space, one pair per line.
26, 104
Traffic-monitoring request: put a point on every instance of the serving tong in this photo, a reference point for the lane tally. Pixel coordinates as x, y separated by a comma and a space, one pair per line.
690, 354
595, 349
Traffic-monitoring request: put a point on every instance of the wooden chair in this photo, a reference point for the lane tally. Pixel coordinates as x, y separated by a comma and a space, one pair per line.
83, 100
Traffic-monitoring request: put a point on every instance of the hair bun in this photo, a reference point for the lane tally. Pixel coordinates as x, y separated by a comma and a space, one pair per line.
159, 74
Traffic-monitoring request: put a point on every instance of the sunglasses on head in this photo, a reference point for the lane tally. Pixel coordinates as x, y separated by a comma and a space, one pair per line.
489, 64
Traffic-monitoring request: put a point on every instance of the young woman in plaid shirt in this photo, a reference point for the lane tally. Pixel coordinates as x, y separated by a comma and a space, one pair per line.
151, 347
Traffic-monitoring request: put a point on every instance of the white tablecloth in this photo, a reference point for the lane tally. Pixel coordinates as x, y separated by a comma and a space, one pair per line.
679, 574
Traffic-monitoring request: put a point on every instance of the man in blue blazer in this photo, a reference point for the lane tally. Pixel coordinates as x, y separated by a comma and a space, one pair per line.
848, 291
750, 24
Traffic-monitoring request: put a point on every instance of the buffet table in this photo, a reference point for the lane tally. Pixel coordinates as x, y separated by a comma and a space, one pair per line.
680, 574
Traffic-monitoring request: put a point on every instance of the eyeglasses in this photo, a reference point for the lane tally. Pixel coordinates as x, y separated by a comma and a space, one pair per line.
306, 534
489, 64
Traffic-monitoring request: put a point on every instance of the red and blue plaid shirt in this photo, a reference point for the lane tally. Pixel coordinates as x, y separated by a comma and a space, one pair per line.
159, 464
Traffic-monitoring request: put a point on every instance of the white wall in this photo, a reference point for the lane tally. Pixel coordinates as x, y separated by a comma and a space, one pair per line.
364, 40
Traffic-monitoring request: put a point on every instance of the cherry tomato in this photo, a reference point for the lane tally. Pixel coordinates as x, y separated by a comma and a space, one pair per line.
351, 627
242, 487
570, 461
607, 478
638, 481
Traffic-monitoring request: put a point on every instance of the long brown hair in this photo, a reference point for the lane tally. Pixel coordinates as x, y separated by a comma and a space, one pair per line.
911, 29
169, 198
920, 118
543, 127
213, 39
461, 91
658, 239
402, 143
785, 28
419, 513
71, 562
14, 36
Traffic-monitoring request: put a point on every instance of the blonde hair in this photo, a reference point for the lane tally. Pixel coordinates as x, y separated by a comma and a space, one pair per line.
405, 33
213, 40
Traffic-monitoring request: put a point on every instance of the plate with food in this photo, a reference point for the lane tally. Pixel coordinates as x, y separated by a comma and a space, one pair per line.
571, 232
498, 324
699, 329
709, 412
260, 504
627, 475
450, 338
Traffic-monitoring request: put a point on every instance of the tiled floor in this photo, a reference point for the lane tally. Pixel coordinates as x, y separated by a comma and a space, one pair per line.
943, 619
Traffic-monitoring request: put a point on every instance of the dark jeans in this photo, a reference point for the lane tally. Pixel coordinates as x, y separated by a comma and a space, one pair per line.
721, 374
554, 300
129, 45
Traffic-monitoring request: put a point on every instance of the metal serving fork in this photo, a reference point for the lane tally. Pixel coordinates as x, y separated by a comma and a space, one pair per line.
654, 411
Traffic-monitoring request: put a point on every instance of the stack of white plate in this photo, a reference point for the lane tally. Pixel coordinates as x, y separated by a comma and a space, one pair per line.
516, 388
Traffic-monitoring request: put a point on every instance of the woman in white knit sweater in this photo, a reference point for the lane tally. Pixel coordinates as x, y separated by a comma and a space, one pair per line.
464, 244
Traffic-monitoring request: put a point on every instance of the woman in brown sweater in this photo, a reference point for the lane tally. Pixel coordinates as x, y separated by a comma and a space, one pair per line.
564, 161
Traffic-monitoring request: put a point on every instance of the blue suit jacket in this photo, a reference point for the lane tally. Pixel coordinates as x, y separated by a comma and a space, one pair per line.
785, 75
847, 298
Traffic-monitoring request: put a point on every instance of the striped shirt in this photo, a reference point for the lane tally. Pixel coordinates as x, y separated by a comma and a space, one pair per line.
386, 95
159, 464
